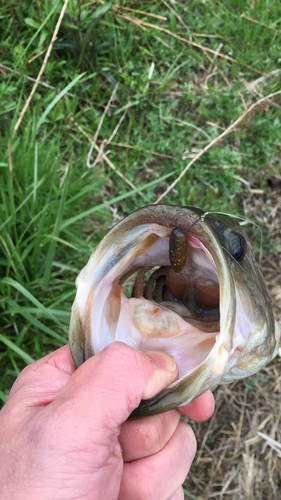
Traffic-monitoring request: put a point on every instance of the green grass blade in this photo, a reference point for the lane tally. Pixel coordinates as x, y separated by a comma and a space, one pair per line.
29, 44
3, 397
35, 172
22, 354
189, 495
56, 6
62, 315
57, 99
21, 205
29, 296
60, 240
40, 326
114, 200
57, 228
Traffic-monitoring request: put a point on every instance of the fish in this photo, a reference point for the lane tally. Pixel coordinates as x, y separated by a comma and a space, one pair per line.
183, 281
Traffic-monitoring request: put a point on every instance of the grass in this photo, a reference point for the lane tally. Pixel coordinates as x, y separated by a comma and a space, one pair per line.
173, 100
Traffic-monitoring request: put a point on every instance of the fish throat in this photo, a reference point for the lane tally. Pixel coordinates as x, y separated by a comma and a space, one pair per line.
178, 291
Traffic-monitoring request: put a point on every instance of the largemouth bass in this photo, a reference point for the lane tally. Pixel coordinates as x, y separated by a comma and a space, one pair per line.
175, 279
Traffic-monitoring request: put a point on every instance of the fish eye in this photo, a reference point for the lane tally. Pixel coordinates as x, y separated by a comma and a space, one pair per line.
239, 252
237, 244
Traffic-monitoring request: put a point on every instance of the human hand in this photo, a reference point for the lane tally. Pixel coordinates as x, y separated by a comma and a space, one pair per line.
64, 434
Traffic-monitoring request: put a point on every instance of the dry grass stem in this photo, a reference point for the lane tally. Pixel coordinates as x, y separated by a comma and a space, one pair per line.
117, 127
139, 12
104, 143
215, 141
150, 73
44, 84
260, 80
205, 35
254, 91
130, 146
37, 55
175, 14
240, 179
110, 164
182, 123
128, 138
237, 460
42, 67
163, 42
89, 165
224, 77
105, 158
260, 24
272, 443
139, 22
215, 125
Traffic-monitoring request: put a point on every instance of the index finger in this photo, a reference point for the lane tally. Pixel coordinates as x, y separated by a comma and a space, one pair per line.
199, 409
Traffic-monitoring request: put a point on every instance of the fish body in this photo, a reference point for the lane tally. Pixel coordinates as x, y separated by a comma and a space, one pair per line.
197, 293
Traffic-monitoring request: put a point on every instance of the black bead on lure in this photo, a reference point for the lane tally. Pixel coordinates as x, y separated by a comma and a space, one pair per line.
177, 250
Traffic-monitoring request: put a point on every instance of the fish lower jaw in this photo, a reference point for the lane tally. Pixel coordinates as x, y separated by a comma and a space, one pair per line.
146, 325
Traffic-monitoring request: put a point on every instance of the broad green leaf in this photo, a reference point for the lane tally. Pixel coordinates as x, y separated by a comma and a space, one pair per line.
30, 22
101, 10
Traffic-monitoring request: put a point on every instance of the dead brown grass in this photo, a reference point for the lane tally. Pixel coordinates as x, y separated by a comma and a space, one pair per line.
234, 461
239, 448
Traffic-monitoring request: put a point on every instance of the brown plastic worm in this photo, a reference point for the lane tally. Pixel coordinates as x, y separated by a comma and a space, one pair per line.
162, 271
137, 290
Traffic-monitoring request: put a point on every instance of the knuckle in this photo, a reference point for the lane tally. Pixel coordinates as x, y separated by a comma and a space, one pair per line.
141, 486
118, 348
25, 375
144, 491
126, 355
152, 441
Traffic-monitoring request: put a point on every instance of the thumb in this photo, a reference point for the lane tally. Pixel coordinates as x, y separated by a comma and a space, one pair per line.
111, 384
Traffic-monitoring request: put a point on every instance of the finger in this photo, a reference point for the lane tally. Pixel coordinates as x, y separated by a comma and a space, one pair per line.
178, 495
111, 384
160, 475
39, 383
200, 408
147, 436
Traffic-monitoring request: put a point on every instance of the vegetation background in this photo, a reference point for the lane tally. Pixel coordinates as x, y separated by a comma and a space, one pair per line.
131, 92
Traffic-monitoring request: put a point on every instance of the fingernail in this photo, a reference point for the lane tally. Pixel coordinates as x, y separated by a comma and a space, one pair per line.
163, 360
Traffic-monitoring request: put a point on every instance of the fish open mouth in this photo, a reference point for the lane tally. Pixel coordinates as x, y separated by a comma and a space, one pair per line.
180, 299
165, 279
177, 311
